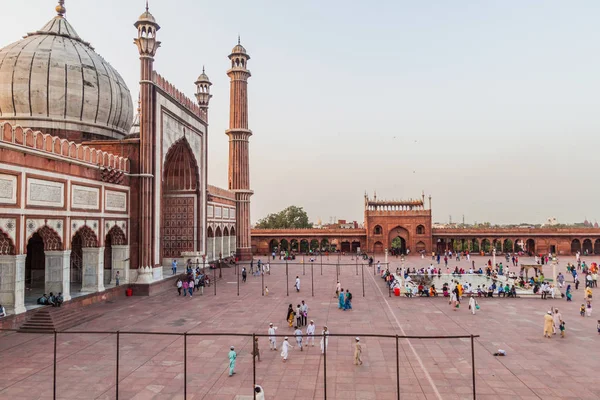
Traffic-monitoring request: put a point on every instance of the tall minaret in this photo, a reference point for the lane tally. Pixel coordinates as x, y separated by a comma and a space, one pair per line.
238, 132
147, 45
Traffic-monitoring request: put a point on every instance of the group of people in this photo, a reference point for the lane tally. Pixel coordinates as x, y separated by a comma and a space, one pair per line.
300, 314
553, 322
51, 300
344, 298
195, 280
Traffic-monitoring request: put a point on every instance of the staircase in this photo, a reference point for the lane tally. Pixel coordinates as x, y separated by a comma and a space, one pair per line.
48, 319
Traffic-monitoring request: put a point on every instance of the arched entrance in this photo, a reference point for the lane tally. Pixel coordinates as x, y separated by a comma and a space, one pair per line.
345, 247
43, 240
274, 245
398, 239
114, 257
84, 237
180, 185
284, 245
226, 243
420, 247
325, 245
530, 246
304, 246
218, 243
355, 246
597, 246
508, 246
575, 246
587, 247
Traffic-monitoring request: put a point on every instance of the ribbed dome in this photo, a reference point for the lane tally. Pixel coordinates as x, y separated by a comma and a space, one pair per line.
238, 49
52, 79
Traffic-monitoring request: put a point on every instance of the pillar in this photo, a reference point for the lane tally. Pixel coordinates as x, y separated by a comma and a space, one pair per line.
93, 269
12, 283
120, 262
58, 273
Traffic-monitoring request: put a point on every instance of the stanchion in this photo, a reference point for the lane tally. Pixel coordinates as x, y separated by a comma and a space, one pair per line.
321, 263
238, 278
184, 365
303, 264
325, 365
253, 365
54, 373
397, 369
312, 280
117, 377
356, 263
362, 272
287, 279
262, 279
215, 280
473, 366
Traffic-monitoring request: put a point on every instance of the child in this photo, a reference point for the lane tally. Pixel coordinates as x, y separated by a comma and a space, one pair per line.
598, 327
588, 309
582, 310
562, 329
266, 291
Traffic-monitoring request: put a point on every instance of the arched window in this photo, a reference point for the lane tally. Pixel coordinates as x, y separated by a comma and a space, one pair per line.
420, 230
378, 230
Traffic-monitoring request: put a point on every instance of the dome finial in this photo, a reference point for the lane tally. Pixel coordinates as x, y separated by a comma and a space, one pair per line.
60, 8
146, 5
239, 38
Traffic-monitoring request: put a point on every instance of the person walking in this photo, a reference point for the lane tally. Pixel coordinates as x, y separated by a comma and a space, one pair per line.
298, 335
232, 357
324, 339
297, 285
472, 305
117, 278
185, 287
348, 300
179, 286
298, 315
191, 287
256, 350
174, 266
272, 337
285, 348
259, 392
341, 299
310, 333
338, 287
357, 352
244, 274
548, 324
556, 319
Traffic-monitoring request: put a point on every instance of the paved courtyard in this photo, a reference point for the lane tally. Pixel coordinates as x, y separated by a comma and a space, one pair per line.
151, 367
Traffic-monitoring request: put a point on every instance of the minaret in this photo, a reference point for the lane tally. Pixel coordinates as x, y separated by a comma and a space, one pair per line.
238, 132
147, 45
203, 95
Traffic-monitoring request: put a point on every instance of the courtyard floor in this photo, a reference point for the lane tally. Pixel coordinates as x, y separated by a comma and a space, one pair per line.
151, 366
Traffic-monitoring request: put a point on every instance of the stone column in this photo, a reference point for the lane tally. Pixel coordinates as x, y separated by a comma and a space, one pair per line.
58, 268
12, 283
120, 262
93, 269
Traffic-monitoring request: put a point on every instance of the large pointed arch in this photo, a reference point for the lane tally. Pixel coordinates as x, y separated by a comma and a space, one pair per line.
7, 247
180, 202
88, 237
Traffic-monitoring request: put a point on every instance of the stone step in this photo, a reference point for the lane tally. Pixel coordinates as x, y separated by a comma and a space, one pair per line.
50, 319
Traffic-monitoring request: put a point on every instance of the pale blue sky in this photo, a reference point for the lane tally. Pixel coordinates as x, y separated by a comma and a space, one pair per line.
491, 107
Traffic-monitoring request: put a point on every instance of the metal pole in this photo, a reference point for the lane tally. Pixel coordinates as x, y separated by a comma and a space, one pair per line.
254, 365
473, 366
215, 280
262, 279
287, 279
238, 278
312, 280
362, 272
397, 369
321, 263
325, 365
356, 263
184, 365
117, 377
54, 374
302, 264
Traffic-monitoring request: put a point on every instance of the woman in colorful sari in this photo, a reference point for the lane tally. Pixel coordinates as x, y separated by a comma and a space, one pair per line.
290, 315
341, 300
568, 294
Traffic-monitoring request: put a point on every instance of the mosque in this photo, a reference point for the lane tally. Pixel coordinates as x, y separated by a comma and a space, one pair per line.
89, 187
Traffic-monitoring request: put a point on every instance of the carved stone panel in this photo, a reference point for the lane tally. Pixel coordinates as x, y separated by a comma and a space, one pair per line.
45, 193
115, 201
8, 189
85, 197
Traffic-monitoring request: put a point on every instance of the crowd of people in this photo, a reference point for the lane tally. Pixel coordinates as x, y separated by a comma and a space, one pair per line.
194, 281
51, 300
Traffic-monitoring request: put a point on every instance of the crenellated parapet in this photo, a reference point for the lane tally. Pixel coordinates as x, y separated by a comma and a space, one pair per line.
178, 96
16, 136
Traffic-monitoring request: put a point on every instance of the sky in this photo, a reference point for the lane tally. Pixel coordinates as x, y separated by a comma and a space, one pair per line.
489, 107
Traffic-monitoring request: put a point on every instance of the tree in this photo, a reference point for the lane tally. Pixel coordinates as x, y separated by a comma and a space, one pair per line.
291, 218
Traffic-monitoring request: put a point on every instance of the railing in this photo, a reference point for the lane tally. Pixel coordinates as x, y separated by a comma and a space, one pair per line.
253, 336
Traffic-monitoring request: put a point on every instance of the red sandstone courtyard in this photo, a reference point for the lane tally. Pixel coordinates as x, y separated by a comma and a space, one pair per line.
151, 367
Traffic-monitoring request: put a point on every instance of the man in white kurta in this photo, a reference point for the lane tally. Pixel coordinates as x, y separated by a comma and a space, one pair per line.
297, 284
324, 339
272, 338
310, 333
285, 347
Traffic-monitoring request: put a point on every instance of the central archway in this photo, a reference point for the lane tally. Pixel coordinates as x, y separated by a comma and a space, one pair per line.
181, 183
398, 240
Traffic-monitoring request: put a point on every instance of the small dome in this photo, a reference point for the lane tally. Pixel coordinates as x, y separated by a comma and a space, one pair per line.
146, 17
53, 80
202, 78
238, 49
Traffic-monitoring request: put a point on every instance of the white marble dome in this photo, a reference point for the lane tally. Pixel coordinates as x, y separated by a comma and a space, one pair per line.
54, 81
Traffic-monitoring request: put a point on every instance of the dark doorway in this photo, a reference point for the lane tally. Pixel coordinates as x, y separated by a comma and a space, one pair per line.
76, 258
346, 247
398, 245
107, 259
35, 263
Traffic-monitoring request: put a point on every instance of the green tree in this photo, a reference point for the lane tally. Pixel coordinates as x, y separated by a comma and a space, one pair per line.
291, 218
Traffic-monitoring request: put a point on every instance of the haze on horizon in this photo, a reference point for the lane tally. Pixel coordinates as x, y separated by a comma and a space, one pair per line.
490, 107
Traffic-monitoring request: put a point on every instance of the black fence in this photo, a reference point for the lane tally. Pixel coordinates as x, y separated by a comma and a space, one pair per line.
253, 336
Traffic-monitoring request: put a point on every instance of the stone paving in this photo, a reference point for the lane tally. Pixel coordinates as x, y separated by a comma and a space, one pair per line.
151, 366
